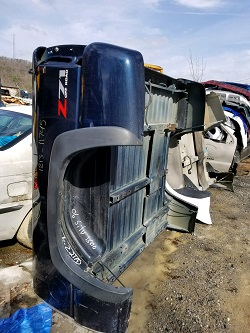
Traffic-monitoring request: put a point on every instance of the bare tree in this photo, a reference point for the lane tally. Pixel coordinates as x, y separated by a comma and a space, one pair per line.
197, 67
15, 72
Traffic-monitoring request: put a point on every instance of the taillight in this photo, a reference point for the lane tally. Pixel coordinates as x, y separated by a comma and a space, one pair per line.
35, 179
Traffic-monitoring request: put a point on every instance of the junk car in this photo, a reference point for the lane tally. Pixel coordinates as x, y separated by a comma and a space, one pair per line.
102, 124
16, 173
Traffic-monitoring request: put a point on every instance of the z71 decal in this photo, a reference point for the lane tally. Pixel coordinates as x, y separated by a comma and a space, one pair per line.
63, 92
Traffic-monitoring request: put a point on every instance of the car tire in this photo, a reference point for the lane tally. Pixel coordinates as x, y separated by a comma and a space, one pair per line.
24, 233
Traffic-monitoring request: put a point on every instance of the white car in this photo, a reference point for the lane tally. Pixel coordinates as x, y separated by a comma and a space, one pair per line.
16, 173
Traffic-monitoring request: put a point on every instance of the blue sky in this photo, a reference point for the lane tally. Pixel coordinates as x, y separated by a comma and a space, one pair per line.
169, 33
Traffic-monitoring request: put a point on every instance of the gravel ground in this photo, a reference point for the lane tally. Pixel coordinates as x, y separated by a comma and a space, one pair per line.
209, 290
182, 283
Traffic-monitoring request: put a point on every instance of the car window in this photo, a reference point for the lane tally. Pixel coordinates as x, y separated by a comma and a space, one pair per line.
13, 126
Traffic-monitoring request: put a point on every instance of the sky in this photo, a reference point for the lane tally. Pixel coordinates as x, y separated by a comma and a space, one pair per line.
210, 37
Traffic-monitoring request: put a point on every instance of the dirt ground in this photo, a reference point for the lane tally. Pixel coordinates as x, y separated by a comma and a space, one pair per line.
199, 283
191, 283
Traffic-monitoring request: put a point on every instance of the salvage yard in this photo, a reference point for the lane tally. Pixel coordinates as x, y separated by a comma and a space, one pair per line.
182, 283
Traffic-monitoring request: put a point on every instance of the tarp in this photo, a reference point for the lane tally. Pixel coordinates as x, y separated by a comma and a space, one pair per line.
37, 319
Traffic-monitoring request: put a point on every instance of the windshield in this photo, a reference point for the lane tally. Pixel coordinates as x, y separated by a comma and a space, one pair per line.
13, 125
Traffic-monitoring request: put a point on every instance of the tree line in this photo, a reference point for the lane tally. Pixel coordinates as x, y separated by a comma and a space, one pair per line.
15, 73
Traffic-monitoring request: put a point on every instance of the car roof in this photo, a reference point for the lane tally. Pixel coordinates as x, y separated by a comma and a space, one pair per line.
25, 109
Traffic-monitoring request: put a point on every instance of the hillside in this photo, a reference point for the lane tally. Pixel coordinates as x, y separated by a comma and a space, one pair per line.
14, 72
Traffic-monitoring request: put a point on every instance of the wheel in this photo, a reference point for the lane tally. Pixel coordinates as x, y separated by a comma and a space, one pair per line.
24, 233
